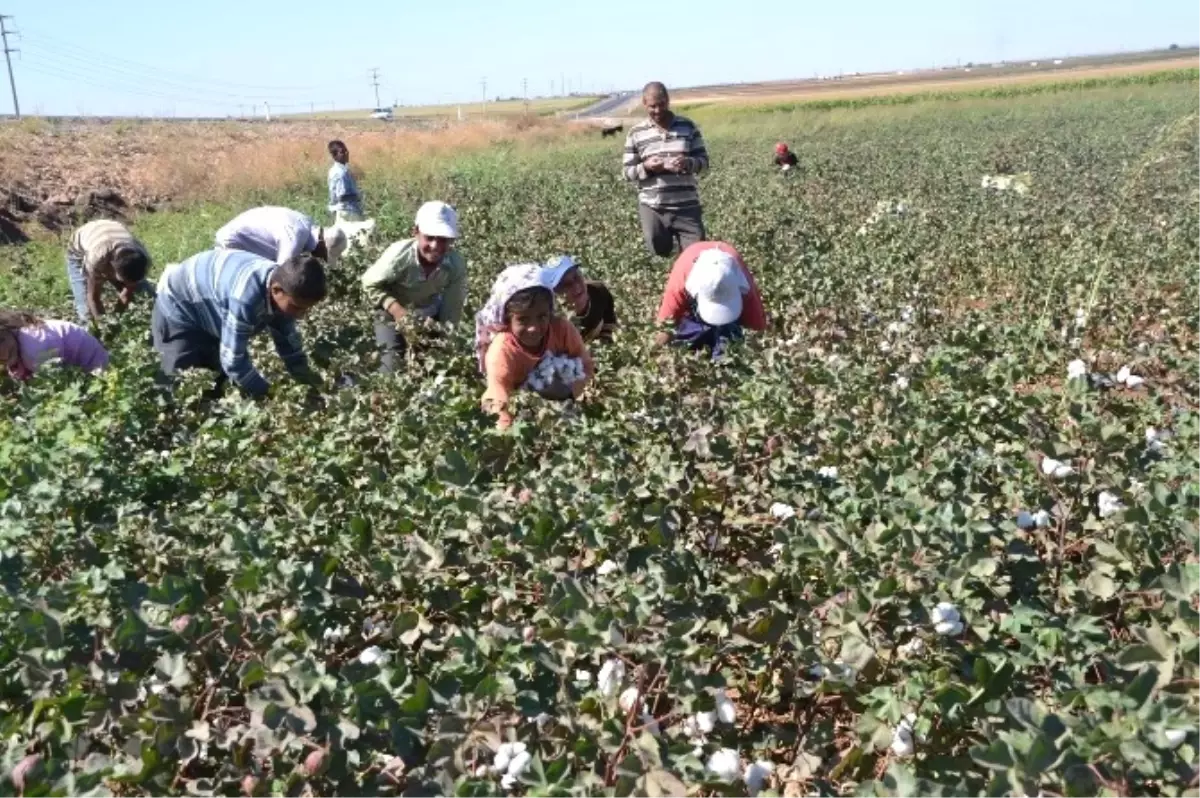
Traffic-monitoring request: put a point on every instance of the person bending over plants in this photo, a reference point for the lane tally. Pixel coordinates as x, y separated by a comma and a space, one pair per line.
595, 314
212, 304
709, 299
27, 342
520, 342
104, 251
420, 280
278, 234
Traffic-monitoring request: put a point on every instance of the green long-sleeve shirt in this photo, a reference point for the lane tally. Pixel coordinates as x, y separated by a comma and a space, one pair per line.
398, 277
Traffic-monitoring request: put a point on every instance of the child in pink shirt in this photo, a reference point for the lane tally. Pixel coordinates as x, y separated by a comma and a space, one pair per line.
26, 342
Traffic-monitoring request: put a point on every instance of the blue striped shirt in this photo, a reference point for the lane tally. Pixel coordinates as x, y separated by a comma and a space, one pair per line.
343, 191
224, 293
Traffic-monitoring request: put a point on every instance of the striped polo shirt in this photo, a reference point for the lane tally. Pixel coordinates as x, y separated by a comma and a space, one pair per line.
225, 293
94, 243
665, 190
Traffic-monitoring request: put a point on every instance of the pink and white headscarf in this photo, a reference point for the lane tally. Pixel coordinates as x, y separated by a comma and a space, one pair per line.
489, 321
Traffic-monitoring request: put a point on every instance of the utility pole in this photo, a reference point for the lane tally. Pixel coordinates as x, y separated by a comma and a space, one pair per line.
375, 83
8, 59
525, 91
483, 83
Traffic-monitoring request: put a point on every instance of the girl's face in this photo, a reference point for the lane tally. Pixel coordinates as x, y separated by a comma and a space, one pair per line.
530, 324
9, 350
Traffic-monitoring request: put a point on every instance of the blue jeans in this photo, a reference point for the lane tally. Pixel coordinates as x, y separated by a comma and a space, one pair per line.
695, 334
79, 289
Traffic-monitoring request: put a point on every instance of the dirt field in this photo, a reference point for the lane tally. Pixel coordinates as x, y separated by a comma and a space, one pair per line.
51, 172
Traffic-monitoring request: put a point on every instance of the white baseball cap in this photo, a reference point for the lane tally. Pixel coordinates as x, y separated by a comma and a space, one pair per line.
717, 282
437, 219
335, 241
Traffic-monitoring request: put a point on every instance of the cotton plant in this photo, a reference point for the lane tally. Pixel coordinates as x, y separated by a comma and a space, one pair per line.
1127, 378
555, 369
511, 762
1038, 519
946, 619
1056, 468
1108, 504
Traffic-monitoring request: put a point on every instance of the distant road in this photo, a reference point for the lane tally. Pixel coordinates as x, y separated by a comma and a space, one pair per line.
606, 106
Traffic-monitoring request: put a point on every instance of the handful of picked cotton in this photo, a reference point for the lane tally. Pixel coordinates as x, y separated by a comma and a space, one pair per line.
555, 369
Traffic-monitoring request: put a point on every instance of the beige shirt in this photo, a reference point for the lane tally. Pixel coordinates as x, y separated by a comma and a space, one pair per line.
95, 242
398, 277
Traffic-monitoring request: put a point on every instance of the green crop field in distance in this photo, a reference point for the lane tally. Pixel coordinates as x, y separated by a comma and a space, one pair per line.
891, 547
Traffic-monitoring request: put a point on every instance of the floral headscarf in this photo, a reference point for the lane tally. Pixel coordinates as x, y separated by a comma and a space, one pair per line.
490, 320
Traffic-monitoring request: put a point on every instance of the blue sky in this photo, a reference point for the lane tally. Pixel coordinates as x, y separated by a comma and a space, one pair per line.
222, 56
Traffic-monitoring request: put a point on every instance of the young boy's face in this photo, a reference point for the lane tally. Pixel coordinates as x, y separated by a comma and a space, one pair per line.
340, 154
431, 249
573, 289
530, 325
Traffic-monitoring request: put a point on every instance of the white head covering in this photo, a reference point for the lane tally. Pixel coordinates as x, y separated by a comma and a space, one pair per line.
490, 320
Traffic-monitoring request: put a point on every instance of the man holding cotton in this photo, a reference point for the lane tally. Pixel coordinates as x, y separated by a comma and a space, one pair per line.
710, 299
420, 280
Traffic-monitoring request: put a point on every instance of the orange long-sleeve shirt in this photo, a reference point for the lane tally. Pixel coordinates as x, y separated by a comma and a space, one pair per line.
674, 303
508, 364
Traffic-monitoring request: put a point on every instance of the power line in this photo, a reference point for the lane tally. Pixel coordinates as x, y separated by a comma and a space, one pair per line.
375, 82
61, 46
8, 60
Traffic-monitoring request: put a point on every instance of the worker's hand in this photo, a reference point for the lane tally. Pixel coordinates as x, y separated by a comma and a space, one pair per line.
126, 296
654, 164
397, 312
662, 338
676, 164
505, 421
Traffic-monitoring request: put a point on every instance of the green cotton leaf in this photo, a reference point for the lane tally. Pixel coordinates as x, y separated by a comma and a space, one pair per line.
659, 783
1043, 756
420, 701
1134, 657
857, 653
174, 668
1100, 586
1025, 712
997, 756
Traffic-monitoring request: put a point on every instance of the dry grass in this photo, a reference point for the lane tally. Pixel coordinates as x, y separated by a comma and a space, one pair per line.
541, 106
164, 162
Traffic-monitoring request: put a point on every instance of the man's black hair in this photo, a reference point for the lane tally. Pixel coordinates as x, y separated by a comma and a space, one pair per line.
301, 277
130, 265
655, 87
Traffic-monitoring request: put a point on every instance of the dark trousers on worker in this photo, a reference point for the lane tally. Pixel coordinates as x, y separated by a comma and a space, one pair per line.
664, 228
185, 348
393, 346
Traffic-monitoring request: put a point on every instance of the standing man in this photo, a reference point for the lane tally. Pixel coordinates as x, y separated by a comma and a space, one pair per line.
104, 251
345, 203
663, 155
417, 280
279, 234
211, 305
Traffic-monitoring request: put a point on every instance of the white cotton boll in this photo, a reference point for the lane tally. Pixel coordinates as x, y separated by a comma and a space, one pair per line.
606, 568
724, 764
818, 671
950, 628
628, 699
334, 633
1109, 504
373, 656
828, 472
706, 721
504, 755
1080, 319
755, 775
902, 383
690, 727
1025, 520
1056, 468
945, 613
902, 740
885, 347
1133, 381
481, 771
913, 648
782, 511
1154, 441
508, 782
583, 677
520, 762
1076, 370
726, 711
775, 550
906, 315
543, 720
1175, 737
1123, 374
612, 672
